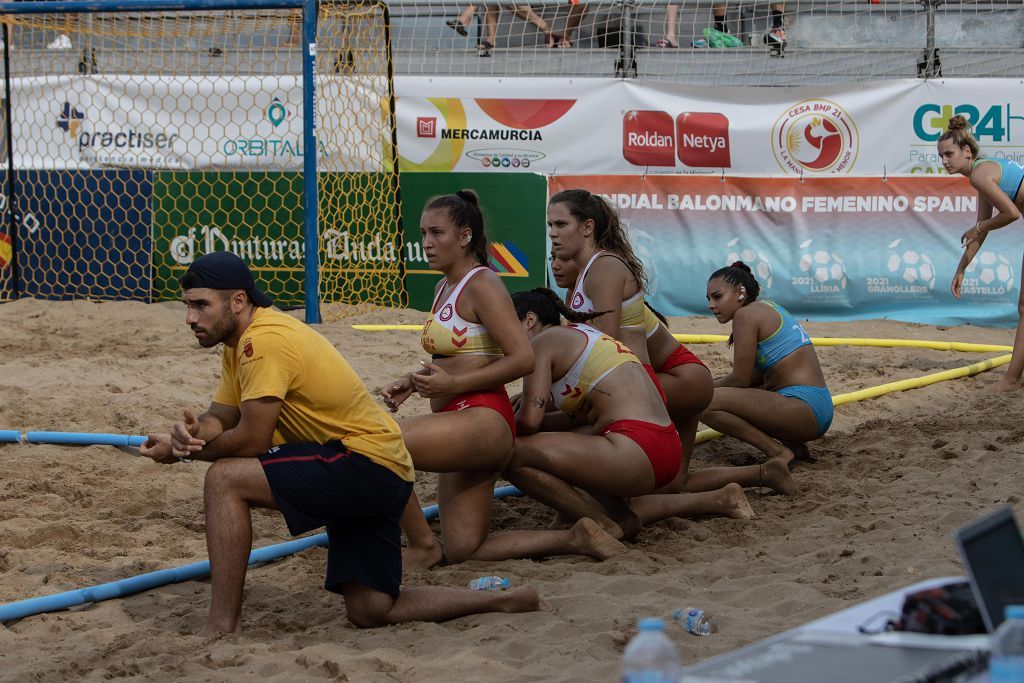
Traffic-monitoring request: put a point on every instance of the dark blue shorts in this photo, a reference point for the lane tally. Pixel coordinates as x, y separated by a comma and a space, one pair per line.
359, 501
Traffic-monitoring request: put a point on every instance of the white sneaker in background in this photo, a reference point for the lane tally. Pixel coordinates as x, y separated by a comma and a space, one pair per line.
62, 42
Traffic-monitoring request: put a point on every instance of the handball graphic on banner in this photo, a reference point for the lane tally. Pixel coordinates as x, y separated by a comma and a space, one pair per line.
821, 275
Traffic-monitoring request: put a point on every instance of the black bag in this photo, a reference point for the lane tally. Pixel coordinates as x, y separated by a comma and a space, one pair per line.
948, 610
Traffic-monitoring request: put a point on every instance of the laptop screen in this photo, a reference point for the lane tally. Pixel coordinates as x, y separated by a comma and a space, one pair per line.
993, 554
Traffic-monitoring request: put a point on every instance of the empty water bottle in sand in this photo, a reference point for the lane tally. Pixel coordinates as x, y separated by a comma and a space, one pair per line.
696, 621
489, 583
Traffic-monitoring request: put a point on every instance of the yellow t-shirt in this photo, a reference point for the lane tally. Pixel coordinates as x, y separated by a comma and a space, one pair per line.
323, 398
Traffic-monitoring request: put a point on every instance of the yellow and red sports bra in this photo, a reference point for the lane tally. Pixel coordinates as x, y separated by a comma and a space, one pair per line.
446, 333
634, 313
601, 355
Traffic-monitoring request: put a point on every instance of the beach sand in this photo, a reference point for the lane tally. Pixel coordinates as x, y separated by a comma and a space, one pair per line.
890, 481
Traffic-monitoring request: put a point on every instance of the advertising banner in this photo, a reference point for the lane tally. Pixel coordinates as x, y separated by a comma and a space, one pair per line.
184, 122
830, 248
196, 213
83, 234
554, 125
514, 217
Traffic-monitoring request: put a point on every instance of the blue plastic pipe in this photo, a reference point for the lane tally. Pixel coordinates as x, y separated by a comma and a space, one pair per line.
84, 439
162, 577
10, 436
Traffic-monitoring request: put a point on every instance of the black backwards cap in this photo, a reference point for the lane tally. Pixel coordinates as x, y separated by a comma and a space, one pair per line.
224, 270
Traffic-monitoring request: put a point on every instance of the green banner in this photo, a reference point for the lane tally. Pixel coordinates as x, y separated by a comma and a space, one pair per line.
257, 215
514, 207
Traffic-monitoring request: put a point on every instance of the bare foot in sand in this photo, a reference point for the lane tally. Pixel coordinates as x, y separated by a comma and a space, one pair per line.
522, 599
800, 452
1005, 385
420, 559
588, 538
775, 475
734, 502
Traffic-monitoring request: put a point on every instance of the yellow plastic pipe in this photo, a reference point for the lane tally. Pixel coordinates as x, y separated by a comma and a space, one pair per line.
858, 341
899, 385
385, 328
818, 341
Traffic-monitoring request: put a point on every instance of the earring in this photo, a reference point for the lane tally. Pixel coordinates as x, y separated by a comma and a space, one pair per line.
740, 297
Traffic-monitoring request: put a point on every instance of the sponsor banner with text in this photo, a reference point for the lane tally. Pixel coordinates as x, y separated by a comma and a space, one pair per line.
513, 208
182, 122
831, 248
554, 125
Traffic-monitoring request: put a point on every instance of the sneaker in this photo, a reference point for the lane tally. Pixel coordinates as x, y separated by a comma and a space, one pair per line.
62, 42
776, 37
698, 42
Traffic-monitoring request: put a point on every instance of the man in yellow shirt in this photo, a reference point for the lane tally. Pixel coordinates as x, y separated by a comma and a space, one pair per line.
292, 428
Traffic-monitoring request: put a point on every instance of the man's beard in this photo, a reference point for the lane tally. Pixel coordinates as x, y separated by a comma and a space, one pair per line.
226, 327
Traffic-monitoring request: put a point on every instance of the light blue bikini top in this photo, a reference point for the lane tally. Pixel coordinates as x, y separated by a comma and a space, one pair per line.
1010, 175
789, 337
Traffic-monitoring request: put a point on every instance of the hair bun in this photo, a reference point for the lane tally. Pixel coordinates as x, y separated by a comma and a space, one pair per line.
469, 196
958, 122
741, 265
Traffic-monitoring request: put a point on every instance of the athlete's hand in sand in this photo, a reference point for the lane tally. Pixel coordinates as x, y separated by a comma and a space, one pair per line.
958, 281
183, 436
158, 447
437, 383
395, 393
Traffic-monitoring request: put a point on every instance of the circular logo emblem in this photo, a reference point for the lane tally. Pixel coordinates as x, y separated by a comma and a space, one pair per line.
526, 163
446, 313
577, 301
486, 161
815, 136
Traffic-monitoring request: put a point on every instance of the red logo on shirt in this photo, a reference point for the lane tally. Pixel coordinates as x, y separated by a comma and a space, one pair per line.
577, 301
247, 347
446, 313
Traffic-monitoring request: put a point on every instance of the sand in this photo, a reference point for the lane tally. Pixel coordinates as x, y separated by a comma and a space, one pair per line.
890, 482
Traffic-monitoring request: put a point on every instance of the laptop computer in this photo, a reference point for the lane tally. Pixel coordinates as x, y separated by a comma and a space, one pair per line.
993, 555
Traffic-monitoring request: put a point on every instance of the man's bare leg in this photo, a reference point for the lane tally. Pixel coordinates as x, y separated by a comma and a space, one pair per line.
232, 487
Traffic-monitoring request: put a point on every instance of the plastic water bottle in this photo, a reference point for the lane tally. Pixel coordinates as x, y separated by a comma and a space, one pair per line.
1007, 662
697, 621
489, 583
650, 657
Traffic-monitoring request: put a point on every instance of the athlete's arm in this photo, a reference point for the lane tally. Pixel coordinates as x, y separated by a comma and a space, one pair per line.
486, 299
606, 280
985, 179
536, 389
744, 345
251, 436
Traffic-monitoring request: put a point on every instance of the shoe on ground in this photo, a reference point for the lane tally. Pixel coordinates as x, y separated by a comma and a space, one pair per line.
61, 42
776, 37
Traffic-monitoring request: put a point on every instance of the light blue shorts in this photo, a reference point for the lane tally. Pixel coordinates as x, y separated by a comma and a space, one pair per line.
818, 398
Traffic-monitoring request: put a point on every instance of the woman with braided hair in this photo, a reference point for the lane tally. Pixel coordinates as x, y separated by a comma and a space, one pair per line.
998, 182
775, 398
